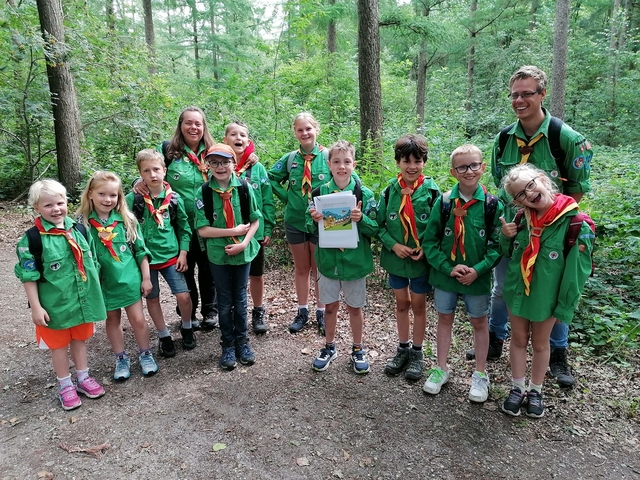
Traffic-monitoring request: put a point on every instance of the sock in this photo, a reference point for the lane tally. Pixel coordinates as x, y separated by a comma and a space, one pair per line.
164, 333
405, 344
145, 351
303, 307
537, 388
320, 309
417, 347
357, 346
482, 374
258, 307
331, 345
518, 383
82, 375
122, 354
65, 382
187, 325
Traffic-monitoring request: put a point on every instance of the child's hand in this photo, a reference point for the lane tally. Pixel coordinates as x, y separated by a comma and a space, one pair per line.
508, 229
140, 187
356, 213
315, 215
241, 229
39, 316
234, 248
266, 241
469, 278
146, 287
181, 264
459, 271
403, 251
251, 161
417, 255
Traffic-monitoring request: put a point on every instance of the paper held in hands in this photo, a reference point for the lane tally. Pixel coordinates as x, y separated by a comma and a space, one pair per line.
337, 230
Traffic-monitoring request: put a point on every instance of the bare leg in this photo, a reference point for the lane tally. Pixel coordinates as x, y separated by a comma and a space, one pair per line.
114, 330
356, 320
256, 287
443, 338
331, 320
60, 360
518, 348
403, 303
302, 265
138, 324
540, 333
480, 341
79, 354
419, 307
184, 303
314, 273
155, 312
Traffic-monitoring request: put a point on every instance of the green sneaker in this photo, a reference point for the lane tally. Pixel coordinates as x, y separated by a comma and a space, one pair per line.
396, 364
416, 365
436, 377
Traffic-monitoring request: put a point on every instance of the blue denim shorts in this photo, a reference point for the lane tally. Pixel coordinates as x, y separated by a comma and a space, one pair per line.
419, 285
476, 305
296, 237
174, 279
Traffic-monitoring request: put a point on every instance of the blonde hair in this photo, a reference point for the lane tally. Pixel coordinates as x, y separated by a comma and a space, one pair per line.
466, 149
149, 154
46, 186
527, 172
343, 146
86, 205
308, 117
235, 123
530, 71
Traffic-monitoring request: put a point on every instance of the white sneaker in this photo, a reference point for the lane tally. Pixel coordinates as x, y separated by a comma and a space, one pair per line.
479, 387
436, 377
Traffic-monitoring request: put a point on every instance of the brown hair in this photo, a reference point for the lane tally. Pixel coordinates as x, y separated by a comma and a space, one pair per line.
530, 71
149, 154
176, 144
411, 144
342, 146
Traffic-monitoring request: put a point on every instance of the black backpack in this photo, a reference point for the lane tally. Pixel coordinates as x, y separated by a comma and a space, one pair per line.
139, 207
490, 208
35, 245
245, 204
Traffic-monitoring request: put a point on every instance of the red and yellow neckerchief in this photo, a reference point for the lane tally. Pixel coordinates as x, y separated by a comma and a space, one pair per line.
241, 167
75, 248
106, 235
199, 162
406, 213
459, 212
227, 208
156, 213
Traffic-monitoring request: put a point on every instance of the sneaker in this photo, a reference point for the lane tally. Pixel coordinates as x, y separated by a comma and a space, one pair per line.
188, 338
322, 361
245, 354
166, 347
495, 349
90, 388
436, 377
416, 365
359, 360
300, 321
228, 358
560, 369
148, 364
257, 320
479, 387
514, 401
395, 365
209, 322
535, 408
320, 321
195, 324
123, 368
69, 398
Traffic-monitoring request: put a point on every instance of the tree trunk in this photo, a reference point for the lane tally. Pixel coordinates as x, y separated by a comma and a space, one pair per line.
331, 31
111, 18
421, 78
196, 46
369, 79
471, 56
64, 104
149, 36
533, 11
214, 43
559, 63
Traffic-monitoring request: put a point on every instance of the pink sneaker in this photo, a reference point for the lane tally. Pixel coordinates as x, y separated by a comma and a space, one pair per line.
69, 398
90, 388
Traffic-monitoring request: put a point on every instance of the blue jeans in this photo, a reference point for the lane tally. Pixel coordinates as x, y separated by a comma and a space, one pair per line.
231, 285
499, 316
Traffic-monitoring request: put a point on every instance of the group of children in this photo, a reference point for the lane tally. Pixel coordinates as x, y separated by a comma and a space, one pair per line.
448, 243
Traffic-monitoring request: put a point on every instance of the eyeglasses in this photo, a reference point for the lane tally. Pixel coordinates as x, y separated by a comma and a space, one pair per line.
514, 96
474, 167
519, 197
215, 164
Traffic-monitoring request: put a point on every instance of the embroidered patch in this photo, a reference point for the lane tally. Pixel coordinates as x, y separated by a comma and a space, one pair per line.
482, 233
292, 181
554, 173
199, 204
582, 248
278, 166
578, 163
23, 249
423, 217
176, 176
55, 266
321, 176
215, 216
587, 161
516, 245
90, 254
294, 165
393, 216
255, 186
165, 214
553, 255
29, 265
123, 248
447, 232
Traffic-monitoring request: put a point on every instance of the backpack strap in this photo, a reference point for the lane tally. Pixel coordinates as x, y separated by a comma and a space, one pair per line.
173, 212
138, 207
207, 200
445, 208
502, 139
553, 137
490, 209
292, 156
245, 201
165, 151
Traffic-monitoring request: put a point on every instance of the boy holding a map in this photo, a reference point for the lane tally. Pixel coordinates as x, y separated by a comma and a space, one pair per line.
343, 269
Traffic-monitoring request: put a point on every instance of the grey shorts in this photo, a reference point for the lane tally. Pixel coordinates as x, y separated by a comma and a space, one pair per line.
354, 291
296, 237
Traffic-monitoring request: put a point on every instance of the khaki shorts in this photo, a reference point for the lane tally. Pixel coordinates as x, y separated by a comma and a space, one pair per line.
354, 291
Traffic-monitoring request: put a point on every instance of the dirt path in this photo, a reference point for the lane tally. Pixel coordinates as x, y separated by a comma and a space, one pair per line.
278, 419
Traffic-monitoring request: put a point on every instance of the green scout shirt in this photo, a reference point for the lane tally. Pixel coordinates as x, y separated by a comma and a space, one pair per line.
350, 263
264, 199
67, 299
215, 246
121, 280
557, 282
164, 243
296, 203
576, 167
391, 232
481, 245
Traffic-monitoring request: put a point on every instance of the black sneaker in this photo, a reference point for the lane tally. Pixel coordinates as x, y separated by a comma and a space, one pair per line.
535, 408
514, 401
396, 364
257, 320
300, 321
320, 320
495, 348
560, 368
166, 347
188, 338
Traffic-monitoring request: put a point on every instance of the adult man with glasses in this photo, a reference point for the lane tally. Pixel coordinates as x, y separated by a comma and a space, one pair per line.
531, 140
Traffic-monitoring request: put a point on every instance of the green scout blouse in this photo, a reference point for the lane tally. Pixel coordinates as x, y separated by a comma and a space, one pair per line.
215, 246
264, 199
391, 232
481, 245
557, 283
350, 263
164, 243
67, 299
296, 203
121, 280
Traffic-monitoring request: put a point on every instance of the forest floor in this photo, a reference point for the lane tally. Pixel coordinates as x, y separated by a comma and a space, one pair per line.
279, 419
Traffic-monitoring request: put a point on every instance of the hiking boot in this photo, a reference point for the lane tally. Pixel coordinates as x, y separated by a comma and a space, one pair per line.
228, 358
479, 391
69, 398
188, 338
300, 321
166, 347
513, 402
320, 320
148, 364
123, 368
416, 365
359, 360
560, 369
245, 354
257, 320
535, 408
495, 349
395, 365
90, 388
436, 378
209, 322
322, 361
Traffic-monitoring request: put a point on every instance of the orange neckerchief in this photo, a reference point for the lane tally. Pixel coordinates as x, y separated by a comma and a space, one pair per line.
156, 213
526, 148
406, 213
75, 248
227, 208
241, 167
561, 205
459, 212
106, 235
199, 162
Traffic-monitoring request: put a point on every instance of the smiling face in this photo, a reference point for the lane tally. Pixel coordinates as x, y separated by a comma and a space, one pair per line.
237, 137
341, 165
192, 129
221, 169
104, 198
531, 192
306, 134
470, 178
410, 168
52, 208
528, 109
